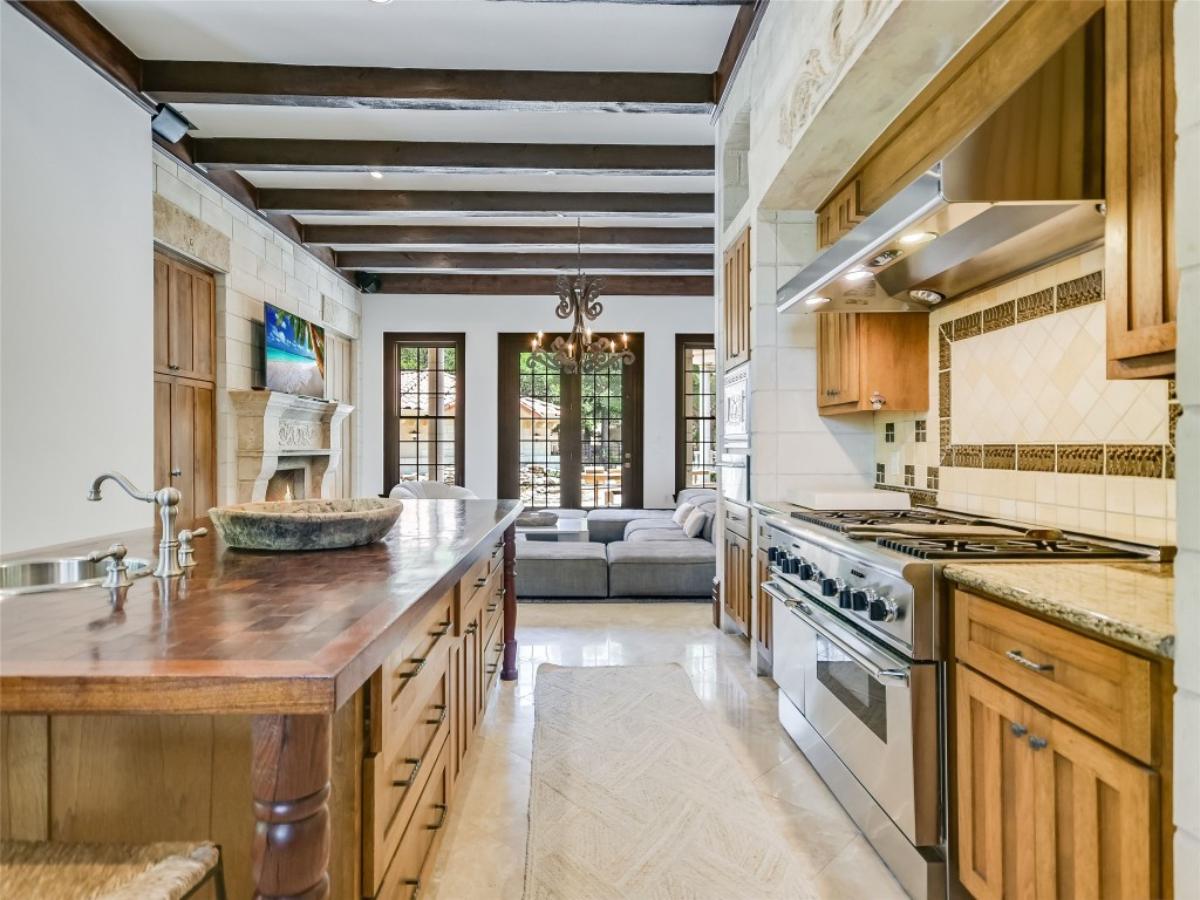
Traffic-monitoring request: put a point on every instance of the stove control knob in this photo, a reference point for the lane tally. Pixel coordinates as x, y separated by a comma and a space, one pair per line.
883, 609
793, 565
807, 571
830, 586
860, 600
773, 553
844, 597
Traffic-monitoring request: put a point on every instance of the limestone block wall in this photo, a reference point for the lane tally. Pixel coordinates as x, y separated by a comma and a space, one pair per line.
253, 264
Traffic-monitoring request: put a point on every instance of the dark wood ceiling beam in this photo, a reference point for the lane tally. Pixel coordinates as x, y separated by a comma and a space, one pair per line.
399, 259
365, 156
740, 36
300, 200
509, 285
467, 235
267, 84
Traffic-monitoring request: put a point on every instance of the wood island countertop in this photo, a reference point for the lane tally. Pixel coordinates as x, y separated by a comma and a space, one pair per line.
244, 632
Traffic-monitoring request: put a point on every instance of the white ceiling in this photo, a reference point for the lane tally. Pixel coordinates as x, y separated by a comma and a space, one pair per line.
563, 126
435, 34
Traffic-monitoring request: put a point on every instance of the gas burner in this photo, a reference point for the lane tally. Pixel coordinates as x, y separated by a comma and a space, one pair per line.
1004, 548
844, 520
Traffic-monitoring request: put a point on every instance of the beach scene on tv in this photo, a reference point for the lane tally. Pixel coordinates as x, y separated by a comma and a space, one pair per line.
295, 353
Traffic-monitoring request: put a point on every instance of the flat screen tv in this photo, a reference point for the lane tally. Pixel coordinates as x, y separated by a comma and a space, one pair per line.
295, 351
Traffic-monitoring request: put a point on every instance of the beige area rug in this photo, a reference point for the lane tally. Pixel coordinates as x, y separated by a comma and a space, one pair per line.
636, 795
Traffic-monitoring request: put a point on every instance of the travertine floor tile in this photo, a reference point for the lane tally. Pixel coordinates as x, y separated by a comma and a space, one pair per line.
483, 852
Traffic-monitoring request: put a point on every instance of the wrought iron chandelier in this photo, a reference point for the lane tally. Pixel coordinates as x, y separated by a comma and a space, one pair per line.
579, 299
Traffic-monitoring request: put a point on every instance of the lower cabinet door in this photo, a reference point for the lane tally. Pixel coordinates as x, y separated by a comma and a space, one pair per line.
1045, 810
414, 856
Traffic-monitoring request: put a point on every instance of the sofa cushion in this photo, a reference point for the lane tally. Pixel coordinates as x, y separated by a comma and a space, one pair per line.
682, 511
564, 513
655, 534
561, 569
695, 522
639, 525
696, 496
609, 524
664, 568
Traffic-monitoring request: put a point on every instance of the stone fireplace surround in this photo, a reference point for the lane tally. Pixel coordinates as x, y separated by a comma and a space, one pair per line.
284, 433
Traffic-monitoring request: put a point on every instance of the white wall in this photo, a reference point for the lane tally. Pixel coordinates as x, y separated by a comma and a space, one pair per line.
76, 333
1187, 465
482, 319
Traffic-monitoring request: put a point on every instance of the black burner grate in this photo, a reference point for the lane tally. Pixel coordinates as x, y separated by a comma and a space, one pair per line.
1006, 548
843, 520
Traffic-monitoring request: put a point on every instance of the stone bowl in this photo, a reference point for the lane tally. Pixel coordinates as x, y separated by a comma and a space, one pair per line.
305, 524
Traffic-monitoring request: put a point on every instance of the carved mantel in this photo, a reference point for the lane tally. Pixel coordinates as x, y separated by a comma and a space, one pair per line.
282, 431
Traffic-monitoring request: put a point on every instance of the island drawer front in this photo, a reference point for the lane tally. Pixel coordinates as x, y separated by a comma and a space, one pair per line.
496, 559
393, 780
411, 866
494, 600
409, 672
470, 589
493, 651
1103, 690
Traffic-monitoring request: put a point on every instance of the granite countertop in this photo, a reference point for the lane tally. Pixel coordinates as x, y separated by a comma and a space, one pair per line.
774, 507
1130, 603
244, 631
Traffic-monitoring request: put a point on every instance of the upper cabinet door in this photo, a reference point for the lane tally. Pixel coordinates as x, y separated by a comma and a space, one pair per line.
1141, 282
184, 315
736, 304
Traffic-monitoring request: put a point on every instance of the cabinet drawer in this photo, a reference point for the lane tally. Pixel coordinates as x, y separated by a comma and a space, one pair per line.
737, 520
493, 653
496, 560
408, 672
394, 778
469, 588
412, 862
1101, 689
493, 599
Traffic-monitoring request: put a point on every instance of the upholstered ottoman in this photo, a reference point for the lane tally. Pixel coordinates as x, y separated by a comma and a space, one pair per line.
561, 569
661, 568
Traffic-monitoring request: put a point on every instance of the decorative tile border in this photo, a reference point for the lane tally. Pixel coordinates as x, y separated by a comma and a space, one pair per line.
1139, 460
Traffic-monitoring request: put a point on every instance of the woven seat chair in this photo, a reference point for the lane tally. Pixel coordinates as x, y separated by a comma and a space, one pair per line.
60, 871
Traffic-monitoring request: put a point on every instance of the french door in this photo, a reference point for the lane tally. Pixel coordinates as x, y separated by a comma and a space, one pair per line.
569, 439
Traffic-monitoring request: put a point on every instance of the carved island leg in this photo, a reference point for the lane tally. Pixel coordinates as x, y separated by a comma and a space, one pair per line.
289, 777
508, 672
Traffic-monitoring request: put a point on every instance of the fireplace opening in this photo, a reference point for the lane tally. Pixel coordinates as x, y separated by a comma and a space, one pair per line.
287, 484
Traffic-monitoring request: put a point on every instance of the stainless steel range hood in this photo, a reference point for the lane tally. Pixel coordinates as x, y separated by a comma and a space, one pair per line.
1026, 187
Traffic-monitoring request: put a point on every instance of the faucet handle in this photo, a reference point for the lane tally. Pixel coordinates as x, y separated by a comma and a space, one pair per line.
186, 557
117, 573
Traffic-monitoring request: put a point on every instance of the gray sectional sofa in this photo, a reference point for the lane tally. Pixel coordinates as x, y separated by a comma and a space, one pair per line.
629, 553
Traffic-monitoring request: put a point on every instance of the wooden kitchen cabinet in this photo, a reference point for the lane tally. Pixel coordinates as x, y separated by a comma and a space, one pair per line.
738, 569
185, 444
762, 618
1141, 280
1061, 760
839, 215
1045, 810
735, 304
184, 320
861, 356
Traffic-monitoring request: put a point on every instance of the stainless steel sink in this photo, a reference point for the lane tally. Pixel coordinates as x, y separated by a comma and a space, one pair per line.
27, 576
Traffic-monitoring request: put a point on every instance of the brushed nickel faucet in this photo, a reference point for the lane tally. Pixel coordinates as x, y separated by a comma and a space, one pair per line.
168, 508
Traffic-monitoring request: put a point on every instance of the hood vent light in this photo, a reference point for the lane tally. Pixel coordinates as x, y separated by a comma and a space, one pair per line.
884, 258
930, 297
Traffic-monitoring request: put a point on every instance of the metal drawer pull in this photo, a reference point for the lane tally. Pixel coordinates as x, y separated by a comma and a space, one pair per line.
1019, 658
443, 627
1038, 743
481, 581
413, 674
492, 607
442, 711
472, 628
441, 808
492, 668
412, 776
1017, 730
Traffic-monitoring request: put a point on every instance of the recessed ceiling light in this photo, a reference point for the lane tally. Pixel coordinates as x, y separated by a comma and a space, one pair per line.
922, 295
816, 301
381, 1
858, 275
376, 174
918, 237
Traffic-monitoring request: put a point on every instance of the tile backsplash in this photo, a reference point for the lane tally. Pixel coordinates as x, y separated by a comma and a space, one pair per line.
1024, 423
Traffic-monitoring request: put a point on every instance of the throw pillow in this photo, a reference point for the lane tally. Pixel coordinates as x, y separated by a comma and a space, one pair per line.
682, 512
695, 522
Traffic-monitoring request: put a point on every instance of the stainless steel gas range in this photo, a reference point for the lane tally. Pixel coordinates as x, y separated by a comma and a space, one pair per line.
860, 645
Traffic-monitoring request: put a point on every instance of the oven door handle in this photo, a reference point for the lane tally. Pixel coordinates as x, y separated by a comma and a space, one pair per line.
881, 673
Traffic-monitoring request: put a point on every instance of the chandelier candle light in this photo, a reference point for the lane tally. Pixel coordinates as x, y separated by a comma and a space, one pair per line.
579, 299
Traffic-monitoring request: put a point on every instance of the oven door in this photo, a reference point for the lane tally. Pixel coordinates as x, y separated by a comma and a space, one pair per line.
875, 710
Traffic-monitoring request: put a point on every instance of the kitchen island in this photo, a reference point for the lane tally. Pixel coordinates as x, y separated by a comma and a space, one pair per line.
302, 660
